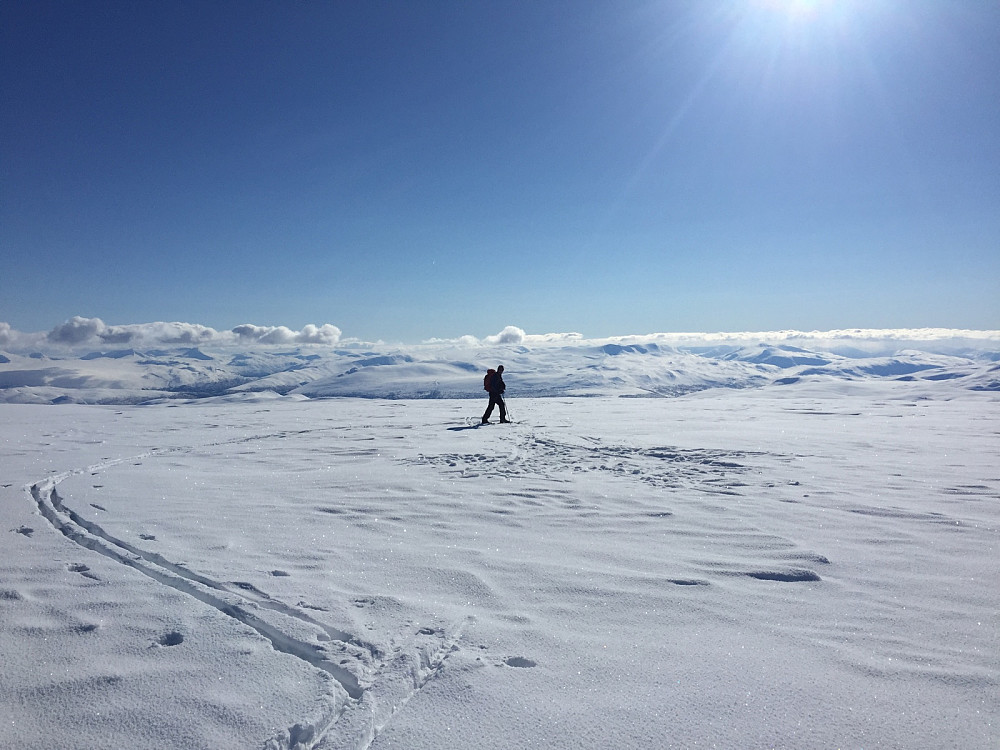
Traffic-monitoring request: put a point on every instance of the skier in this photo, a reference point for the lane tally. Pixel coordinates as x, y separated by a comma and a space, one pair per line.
493, 382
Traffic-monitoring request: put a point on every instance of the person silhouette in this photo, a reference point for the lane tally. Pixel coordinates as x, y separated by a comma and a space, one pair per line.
495, 385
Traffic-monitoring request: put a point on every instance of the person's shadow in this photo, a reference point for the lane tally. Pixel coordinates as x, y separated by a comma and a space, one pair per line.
466, 427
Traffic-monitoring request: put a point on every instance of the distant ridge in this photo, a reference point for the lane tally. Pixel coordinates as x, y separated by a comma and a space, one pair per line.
657, 365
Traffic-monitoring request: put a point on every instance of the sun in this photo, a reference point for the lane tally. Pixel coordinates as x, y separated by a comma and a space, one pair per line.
809, 21
798, 9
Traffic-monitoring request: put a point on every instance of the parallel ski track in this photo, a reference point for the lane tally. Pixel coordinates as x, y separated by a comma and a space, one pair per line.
364, 706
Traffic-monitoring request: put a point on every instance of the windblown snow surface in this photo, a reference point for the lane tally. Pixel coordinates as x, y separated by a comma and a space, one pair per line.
808, 558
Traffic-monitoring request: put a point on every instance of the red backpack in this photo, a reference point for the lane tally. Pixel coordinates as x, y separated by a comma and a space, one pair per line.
488, 380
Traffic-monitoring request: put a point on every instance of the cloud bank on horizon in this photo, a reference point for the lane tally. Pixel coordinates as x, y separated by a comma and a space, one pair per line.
90, 332
80, 332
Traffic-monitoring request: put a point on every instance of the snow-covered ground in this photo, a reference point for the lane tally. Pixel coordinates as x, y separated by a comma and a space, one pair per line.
808, 560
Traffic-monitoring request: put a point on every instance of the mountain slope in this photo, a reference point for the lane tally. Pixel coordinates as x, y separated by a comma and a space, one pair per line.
573, 368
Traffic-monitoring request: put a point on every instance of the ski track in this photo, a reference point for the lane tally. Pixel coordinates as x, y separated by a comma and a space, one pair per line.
372, 689
371, 684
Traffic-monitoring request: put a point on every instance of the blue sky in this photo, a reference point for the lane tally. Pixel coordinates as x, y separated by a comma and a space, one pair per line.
407, 170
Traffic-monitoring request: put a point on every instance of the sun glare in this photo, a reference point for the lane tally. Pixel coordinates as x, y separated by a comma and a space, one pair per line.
799, 10
813, 12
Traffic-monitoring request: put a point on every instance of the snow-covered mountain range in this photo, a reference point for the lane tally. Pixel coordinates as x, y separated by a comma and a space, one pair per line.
536, 366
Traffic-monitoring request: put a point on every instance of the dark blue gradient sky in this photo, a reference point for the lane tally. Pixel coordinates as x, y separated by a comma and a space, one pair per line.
407, 170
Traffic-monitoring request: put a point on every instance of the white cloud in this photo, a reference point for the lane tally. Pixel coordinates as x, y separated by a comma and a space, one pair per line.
80, 332
160, 334
509, 335
855, 341
13, 340
76, 330
249, 333
325, 334
280, 335
553, 338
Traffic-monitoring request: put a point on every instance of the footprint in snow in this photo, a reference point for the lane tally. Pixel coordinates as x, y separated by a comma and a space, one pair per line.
790, 576
250, 588
173, 638
82, 570
519, 661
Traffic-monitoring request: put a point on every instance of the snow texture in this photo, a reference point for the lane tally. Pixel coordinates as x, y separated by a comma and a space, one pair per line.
800, 550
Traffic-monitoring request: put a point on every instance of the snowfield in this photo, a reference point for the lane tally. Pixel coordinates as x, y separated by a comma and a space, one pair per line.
808, 560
